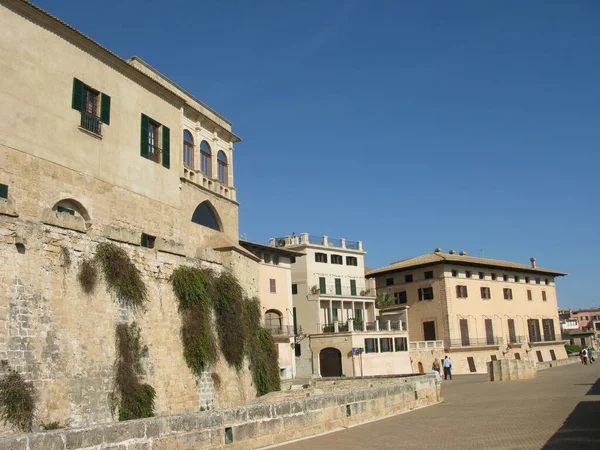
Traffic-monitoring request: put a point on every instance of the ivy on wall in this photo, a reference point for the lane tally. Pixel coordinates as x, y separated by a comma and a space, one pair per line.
17, 400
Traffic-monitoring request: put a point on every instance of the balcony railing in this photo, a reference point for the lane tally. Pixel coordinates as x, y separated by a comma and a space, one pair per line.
517, 339
546, 338
474, 342
425, 345
342, 291
91, 122
280, 330
358, 325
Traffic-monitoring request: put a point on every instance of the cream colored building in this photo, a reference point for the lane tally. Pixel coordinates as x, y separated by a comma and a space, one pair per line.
475, 309
275, 293
335, 312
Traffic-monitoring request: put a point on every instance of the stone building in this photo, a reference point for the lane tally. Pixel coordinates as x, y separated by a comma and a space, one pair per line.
95, 148
475, 309
335, 311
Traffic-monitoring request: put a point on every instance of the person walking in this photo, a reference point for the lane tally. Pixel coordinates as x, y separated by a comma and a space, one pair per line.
590, 355
447, 363
584, 354
436, 366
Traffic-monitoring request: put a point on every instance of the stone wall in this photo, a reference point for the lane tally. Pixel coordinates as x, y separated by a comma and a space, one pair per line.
511, 369
250, 426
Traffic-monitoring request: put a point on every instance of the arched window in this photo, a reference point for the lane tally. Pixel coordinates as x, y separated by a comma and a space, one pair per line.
222, 160
188, 149
206, 215
273, 320
205, 155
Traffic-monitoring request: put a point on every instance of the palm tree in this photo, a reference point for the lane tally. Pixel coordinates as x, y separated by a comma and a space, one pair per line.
384, 300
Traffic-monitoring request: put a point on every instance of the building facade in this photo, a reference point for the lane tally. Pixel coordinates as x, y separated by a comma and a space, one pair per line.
339, 333
475, 309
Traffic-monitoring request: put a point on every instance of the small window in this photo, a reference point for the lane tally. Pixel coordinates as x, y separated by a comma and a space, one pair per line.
321, 257
337, 259
461, 292
4, 191
93, 106
544, 296
408, 278
481, 275
493, 357
507, 294
386, 345
527, 279
389, 281
276, 260
205, 215
188, 149
468, 274
429, 275
273, 285
293, 260
222, 161
155, 142
267, 258
517, 278
371, 345
401, 297
294, 289
62, 209
401, 344
351, 261
538, 281
426, 293
494, 276
505, 277
455, 273
529, 296
205, 159
147, 240
486, 294
518, 356
546, 281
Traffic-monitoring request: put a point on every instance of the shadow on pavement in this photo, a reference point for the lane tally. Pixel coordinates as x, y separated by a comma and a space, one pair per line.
581, 430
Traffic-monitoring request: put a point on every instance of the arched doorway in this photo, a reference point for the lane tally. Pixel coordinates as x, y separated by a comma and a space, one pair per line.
330, 360
420, 365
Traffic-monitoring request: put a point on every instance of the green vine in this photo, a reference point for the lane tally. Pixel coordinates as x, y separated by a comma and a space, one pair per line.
132, 399
87, 276
228, 305
17, 400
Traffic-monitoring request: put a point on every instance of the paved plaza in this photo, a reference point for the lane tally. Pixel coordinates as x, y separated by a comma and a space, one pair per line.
560, 409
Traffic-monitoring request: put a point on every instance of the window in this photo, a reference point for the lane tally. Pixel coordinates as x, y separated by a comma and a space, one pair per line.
464, 332
337, 259
547, 281
505, 277
294, 289
493, 276
386, 345
205, 215
454, 273
93, 105
205, 159
4, 191
267, 258
371, 345
517, 278
548, 327
468, 274
293, 260
543, 296
486, 294
429, 275
538, 281
62, 209
338, 286
400, 297
389, 281
322, 285
222, 161
321, 257
527, 280
481, 275
276, 260
461, 292
512, 335
529, 296
518, 356
273, 285
507, 294
489, 331
155, 142
426, 293
351, 261
352, 287
401, 344
147, 240
188, 149
408, 278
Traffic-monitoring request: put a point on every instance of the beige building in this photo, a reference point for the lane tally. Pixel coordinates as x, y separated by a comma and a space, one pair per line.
339, 333
275, 293
475, 309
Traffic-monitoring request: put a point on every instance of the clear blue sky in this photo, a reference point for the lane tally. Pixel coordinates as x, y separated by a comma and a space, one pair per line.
407, 125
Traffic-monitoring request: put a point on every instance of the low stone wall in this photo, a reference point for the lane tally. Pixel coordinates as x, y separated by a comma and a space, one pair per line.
249, 426
558, 362
511, 369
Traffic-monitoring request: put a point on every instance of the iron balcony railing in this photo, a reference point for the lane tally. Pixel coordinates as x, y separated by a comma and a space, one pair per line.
154, 152
280, 330
517, 339
474, 342
91, 122
546, 338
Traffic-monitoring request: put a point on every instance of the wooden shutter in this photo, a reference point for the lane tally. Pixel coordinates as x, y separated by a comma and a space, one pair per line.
420, 294
352, 287
338, 286
144, 136
105, 109
489, 331
322, 285
273, 285
512, 335
77, 99
464, 332
166, 147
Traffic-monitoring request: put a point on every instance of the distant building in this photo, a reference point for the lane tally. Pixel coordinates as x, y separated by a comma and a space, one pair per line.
475, 309
586, 317
335, 308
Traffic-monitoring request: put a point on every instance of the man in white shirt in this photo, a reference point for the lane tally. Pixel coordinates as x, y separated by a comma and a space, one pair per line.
447, 368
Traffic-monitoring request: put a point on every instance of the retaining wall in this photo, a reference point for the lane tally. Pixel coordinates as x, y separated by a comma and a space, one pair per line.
250, 426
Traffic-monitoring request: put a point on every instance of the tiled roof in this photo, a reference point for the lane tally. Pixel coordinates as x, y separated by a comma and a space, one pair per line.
441, 258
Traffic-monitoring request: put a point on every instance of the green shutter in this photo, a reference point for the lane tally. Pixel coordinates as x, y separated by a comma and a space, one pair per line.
144, 240
322, 285
4, 191
105, 109
338, 286
77, 100
62, 209
166, 147
352, 287
144, 137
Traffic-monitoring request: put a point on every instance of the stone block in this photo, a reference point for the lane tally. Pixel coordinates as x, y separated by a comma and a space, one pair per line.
121, 235
169, 246
259, 411
53, 440
87, 437
233, 416
297, 406
282, 409
63, 220
13, 443
123, 431
183, 423
8, 208
245, 431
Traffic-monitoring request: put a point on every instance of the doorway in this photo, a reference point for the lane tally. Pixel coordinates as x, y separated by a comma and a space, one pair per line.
330, 360
429, 331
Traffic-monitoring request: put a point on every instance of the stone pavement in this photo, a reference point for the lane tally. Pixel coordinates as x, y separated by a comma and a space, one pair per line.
560, 409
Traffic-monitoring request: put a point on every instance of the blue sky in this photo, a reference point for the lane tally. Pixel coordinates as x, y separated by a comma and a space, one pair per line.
470, 125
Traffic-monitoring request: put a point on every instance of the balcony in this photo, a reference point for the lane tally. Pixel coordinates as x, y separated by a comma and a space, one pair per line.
425, 345
281, 330
359, 326
543, 339
517, 340
200, 179
341, 291
307, 239
91, 123
475, 342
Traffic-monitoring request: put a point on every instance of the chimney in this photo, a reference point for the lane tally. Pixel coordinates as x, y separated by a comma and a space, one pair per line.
452, 252
438, 250
463, 253
532, 259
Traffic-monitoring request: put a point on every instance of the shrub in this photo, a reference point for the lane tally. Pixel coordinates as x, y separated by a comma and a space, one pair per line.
50, 426
87, 276
229, 305
573, 348
17, 401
